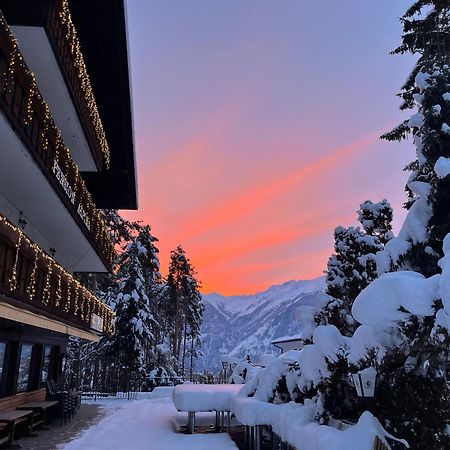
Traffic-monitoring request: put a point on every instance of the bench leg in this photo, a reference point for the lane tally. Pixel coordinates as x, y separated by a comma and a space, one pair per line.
217, 425
228, 421
191, 422
258, 437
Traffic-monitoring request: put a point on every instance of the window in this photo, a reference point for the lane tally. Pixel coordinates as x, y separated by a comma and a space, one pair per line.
24, 367
46, 363
2, 357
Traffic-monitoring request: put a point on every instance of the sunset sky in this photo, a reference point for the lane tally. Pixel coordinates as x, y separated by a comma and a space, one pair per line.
256, 129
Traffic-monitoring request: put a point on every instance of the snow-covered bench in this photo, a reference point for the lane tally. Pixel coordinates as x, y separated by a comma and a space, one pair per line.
193, 398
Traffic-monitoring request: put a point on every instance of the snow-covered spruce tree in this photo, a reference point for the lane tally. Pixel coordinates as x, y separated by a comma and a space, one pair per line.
376, 219
183, 309
136, 327
413, 388
96, 365
349, 270
427, 90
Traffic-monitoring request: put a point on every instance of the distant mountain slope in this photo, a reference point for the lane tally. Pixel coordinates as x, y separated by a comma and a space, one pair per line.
246, 324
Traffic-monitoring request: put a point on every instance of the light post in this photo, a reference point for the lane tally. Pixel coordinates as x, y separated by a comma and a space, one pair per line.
364, 382
225, 368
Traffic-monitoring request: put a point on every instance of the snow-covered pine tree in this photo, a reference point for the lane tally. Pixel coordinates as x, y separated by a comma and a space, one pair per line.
136, 327
376, 219
183, 308
351, 269
93, 365
427, 89
413, 387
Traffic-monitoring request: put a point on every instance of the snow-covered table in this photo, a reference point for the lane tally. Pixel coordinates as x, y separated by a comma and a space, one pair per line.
192, 398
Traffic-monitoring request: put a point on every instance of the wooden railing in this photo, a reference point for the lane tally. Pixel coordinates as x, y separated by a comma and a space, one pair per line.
32, 278
29, 115
63, 37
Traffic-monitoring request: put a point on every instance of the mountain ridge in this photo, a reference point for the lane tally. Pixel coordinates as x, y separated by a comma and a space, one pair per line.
246, 324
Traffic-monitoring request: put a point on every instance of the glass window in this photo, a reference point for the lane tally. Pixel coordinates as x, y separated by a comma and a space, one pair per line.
2, 357
47, 357
24, 367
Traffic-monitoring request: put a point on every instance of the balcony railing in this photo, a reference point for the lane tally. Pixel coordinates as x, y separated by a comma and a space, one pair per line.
22, 103
32, 279
63, 36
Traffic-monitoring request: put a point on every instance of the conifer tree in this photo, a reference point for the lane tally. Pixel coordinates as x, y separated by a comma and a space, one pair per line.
184, 308
376, 219
350, 269
428, 90
136, 325
413, 394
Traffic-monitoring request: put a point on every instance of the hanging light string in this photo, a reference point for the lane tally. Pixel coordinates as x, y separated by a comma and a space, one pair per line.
85, 82
62, 153
75, 291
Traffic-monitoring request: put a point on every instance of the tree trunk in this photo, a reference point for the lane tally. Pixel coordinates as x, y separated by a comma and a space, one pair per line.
191, 369
184, 348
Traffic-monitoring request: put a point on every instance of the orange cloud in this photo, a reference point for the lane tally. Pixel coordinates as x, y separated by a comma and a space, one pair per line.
243, 203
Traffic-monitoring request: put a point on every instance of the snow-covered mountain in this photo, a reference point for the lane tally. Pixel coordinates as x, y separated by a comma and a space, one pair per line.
246, 324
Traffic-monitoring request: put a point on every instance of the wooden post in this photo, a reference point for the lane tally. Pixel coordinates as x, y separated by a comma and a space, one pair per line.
191, 422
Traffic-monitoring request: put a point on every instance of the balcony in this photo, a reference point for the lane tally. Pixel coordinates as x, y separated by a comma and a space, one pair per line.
31, 280
38, 174
48, 41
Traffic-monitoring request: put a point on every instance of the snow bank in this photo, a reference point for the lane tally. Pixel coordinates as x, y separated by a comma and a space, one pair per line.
204, 397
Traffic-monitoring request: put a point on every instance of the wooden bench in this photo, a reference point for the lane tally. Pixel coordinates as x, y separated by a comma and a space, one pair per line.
39, 410
8, 403
10, 417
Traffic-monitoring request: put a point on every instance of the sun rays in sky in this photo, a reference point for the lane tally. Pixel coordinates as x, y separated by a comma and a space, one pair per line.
256, 135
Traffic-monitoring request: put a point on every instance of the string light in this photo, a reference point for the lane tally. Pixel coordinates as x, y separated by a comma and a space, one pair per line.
90, 302
68, 299
58, 293
13, 279
34, 100
31, 289
46, 293
83, 77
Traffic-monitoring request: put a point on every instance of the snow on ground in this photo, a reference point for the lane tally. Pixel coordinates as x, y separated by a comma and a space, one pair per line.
147, 424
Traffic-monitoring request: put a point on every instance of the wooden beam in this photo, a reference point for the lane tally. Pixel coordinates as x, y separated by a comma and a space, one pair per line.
10, 312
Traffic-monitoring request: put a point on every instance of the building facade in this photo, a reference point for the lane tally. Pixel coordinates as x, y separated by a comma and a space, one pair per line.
66, 151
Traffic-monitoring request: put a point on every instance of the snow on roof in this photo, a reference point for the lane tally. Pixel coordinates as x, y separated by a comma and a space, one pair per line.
279, 340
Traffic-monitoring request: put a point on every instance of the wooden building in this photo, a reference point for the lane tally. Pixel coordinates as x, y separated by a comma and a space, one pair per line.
66, 149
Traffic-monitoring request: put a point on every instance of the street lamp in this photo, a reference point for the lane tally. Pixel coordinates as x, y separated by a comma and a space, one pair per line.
364, 382
225, 368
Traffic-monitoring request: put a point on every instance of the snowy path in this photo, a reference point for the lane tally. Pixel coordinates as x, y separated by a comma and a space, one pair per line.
146, 425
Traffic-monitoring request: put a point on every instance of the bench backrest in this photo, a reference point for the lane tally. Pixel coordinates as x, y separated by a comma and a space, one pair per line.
14, 401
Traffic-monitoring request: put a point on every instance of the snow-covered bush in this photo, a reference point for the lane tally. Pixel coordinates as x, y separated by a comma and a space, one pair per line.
353, 265
243, 372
